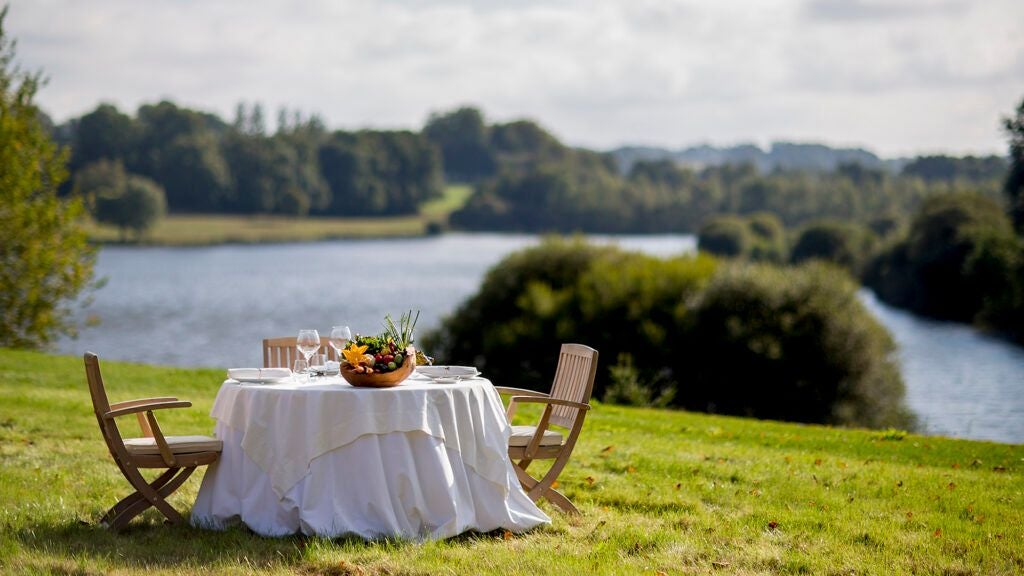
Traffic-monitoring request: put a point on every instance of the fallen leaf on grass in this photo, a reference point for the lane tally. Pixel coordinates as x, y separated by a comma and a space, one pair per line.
608, 449
506, 535
937, 533
773, 525
630, 470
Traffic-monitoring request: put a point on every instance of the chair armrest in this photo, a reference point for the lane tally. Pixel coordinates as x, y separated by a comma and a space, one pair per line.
147, 407
130, 403
548, 400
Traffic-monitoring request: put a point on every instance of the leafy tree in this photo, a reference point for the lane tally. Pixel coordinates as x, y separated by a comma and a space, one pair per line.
768, 237
136, 207
725, 236
194, 173
791, 344
104, 133
104, 177
938, 269
844, 244
463, 139
377, 172
1014, 185
45, 259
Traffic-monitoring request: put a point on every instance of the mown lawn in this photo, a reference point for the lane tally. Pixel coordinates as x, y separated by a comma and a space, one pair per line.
660, 491
204, 229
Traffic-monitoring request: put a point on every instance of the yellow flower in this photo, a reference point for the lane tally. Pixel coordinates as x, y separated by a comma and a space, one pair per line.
354, 354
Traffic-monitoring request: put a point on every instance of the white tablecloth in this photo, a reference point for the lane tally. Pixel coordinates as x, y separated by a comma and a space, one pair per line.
420, 460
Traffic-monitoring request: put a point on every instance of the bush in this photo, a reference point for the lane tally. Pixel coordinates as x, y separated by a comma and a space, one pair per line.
752, 340
791, 344
137, 207
842, 243
725, 236
947, 265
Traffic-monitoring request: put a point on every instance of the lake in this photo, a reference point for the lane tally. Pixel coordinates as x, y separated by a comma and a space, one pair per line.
212, 306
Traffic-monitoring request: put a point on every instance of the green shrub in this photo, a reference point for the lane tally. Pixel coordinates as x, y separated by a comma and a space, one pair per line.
790, 344
726, 236
761, 341
842, 243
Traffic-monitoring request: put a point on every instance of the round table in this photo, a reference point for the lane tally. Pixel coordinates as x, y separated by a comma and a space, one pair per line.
419, 460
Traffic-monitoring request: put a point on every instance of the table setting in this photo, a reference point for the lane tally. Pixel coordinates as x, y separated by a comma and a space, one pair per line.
379, 448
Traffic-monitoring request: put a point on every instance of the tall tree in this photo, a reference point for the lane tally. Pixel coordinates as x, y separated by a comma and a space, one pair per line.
45, 259
1015, 179
463, 139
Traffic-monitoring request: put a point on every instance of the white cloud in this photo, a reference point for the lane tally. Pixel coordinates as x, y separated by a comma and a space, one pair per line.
896, 77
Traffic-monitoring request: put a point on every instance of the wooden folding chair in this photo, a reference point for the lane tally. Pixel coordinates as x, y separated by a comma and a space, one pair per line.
566, 407
180, 455
282, 353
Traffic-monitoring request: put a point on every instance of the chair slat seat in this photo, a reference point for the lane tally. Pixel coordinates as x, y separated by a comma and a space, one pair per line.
177, 444
521, 436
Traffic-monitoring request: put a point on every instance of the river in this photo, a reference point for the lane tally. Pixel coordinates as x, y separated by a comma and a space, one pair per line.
212, 306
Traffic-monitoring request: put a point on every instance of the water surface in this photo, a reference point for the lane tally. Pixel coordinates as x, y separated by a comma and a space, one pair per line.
212, 306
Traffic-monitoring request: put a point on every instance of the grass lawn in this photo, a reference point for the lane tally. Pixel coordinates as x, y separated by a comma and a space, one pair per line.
203, 229
660, 491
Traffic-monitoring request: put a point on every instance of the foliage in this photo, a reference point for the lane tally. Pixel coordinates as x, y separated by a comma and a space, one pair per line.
971, 169
959, 253
135, 207
45, 261
379, 173
660, 490
845, 244
727, 236
774, 343
791, 344
462, 136
759, 237
1014, 185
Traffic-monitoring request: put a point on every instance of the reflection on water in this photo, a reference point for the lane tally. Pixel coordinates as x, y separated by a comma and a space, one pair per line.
212, 306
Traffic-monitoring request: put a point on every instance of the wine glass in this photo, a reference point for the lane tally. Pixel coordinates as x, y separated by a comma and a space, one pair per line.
340, 335
308, 343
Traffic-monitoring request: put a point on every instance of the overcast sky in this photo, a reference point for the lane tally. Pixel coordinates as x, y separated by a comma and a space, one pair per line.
898, 77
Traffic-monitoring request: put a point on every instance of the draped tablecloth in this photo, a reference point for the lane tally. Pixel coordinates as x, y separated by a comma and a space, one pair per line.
420, 460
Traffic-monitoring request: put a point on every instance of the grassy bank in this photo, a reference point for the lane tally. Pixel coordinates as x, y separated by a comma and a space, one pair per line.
194, 230
661, 492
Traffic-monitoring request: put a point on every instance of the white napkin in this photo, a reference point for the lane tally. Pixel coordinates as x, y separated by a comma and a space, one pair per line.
258, 373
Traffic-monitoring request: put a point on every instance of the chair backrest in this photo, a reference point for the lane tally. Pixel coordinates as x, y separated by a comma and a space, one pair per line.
100, 403
282, 353
574, 380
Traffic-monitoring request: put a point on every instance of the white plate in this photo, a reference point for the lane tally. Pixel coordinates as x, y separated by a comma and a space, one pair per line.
261, 380
448, 373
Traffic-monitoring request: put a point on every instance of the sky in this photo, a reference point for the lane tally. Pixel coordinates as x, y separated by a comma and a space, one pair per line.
898, 77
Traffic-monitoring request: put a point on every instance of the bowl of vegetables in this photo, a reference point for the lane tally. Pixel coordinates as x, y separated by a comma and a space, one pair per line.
384, 360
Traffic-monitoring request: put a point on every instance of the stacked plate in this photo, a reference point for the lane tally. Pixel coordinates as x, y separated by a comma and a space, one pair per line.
259, 375
445, 374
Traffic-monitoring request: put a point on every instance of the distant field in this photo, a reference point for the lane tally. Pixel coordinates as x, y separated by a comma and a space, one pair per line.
661, 492
189, 229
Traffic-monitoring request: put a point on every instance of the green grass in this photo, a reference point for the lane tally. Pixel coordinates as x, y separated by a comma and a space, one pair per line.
193, 229
660, 491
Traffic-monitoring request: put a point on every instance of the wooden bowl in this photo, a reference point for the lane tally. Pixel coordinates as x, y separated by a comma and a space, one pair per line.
381, 379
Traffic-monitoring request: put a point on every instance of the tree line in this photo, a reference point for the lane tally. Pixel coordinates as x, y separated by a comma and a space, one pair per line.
203, 164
